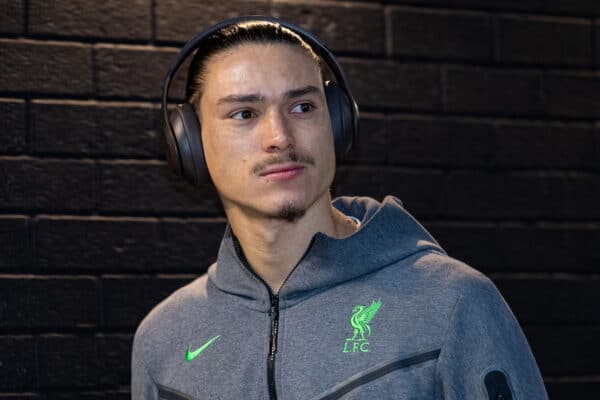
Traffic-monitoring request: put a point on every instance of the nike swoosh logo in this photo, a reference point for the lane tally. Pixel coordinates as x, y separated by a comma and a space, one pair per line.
190, 355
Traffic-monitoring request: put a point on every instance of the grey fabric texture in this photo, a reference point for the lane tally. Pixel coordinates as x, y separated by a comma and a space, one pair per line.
430, 327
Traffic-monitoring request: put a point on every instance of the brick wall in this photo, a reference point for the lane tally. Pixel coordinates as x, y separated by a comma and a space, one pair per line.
482, 115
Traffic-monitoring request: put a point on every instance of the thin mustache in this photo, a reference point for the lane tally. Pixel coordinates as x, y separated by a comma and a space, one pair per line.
293, 157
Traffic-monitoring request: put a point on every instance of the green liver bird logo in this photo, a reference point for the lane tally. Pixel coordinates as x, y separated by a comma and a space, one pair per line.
360, 319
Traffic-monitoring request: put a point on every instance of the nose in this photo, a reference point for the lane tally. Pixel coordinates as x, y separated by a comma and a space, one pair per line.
276, 133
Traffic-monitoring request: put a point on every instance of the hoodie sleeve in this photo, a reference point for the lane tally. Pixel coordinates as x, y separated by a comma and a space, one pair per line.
142, 384
486, 355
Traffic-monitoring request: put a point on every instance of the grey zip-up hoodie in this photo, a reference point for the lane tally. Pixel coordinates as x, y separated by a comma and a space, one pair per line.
382, 314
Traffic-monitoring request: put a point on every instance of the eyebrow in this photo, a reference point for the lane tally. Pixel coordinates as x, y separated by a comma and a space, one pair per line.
291, 94
255, 97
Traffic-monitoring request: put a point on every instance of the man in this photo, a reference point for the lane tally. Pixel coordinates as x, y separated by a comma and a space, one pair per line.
311, 299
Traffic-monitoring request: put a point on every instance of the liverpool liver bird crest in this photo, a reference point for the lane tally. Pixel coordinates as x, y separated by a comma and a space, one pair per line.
361, 316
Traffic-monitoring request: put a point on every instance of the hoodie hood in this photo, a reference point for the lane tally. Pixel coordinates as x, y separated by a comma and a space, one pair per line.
387, 234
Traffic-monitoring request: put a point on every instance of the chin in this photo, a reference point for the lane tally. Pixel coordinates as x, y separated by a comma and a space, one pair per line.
293, 207
290, 212
285, 209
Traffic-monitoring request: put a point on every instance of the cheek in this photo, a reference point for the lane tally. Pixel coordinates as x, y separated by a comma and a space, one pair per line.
326, 145
214, 154
209, 151
227, 160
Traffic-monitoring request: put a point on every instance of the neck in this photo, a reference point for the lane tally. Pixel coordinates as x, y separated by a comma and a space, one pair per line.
273, 247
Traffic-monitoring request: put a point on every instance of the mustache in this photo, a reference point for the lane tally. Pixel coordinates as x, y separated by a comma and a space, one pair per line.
280, 159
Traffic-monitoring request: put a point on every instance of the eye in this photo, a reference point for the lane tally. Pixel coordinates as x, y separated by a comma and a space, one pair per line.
302, 108
243, 114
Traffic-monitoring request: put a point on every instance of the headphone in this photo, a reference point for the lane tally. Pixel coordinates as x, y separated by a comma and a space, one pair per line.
181, 127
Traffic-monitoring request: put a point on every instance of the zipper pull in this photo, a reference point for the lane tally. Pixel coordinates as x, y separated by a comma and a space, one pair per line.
274, 302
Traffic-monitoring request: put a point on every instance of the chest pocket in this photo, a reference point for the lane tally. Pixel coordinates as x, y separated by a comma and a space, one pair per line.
166, 393
354, 383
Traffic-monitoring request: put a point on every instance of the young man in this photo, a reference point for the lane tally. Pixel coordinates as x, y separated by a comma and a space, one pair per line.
311, 299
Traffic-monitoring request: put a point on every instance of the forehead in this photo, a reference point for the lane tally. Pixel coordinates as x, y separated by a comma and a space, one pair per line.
260, 68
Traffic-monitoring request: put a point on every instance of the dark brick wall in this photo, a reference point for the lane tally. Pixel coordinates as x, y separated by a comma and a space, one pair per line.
482, 115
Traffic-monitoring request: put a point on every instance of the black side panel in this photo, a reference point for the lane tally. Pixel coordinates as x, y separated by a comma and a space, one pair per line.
165, 393
497, 386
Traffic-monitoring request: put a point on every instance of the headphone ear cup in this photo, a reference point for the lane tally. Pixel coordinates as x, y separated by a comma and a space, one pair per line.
343, 118
185, 154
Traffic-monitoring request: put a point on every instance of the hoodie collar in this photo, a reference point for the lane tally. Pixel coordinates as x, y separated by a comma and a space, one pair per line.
387, 234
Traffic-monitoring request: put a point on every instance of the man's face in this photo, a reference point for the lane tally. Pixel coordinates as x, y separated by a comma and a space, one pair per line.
266, 130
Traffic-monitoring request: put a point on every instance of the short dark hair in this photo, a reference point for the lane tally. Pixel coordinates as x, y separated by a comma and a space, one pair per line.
263, 32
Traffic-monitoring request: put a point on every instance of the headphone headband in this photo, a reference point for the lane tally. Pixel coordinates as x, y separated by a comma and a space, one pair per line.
312, 40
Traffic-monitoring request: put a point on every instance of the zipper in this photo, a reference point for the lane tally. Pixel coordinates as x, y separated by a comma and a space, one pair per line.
379, 372
275, 324
274, 312
166, 393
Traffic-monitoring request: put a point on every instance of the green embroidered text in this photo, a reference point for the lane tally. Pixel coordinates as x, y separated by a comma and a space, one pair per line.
359, 321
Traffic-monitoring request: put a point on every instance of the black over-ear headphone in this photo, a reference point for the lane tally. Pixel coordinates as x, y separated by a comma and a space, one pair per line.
182, 128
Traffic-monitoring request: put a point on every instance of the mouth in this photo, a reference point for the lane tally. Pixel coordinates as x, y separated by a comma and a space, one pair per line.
283, 171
